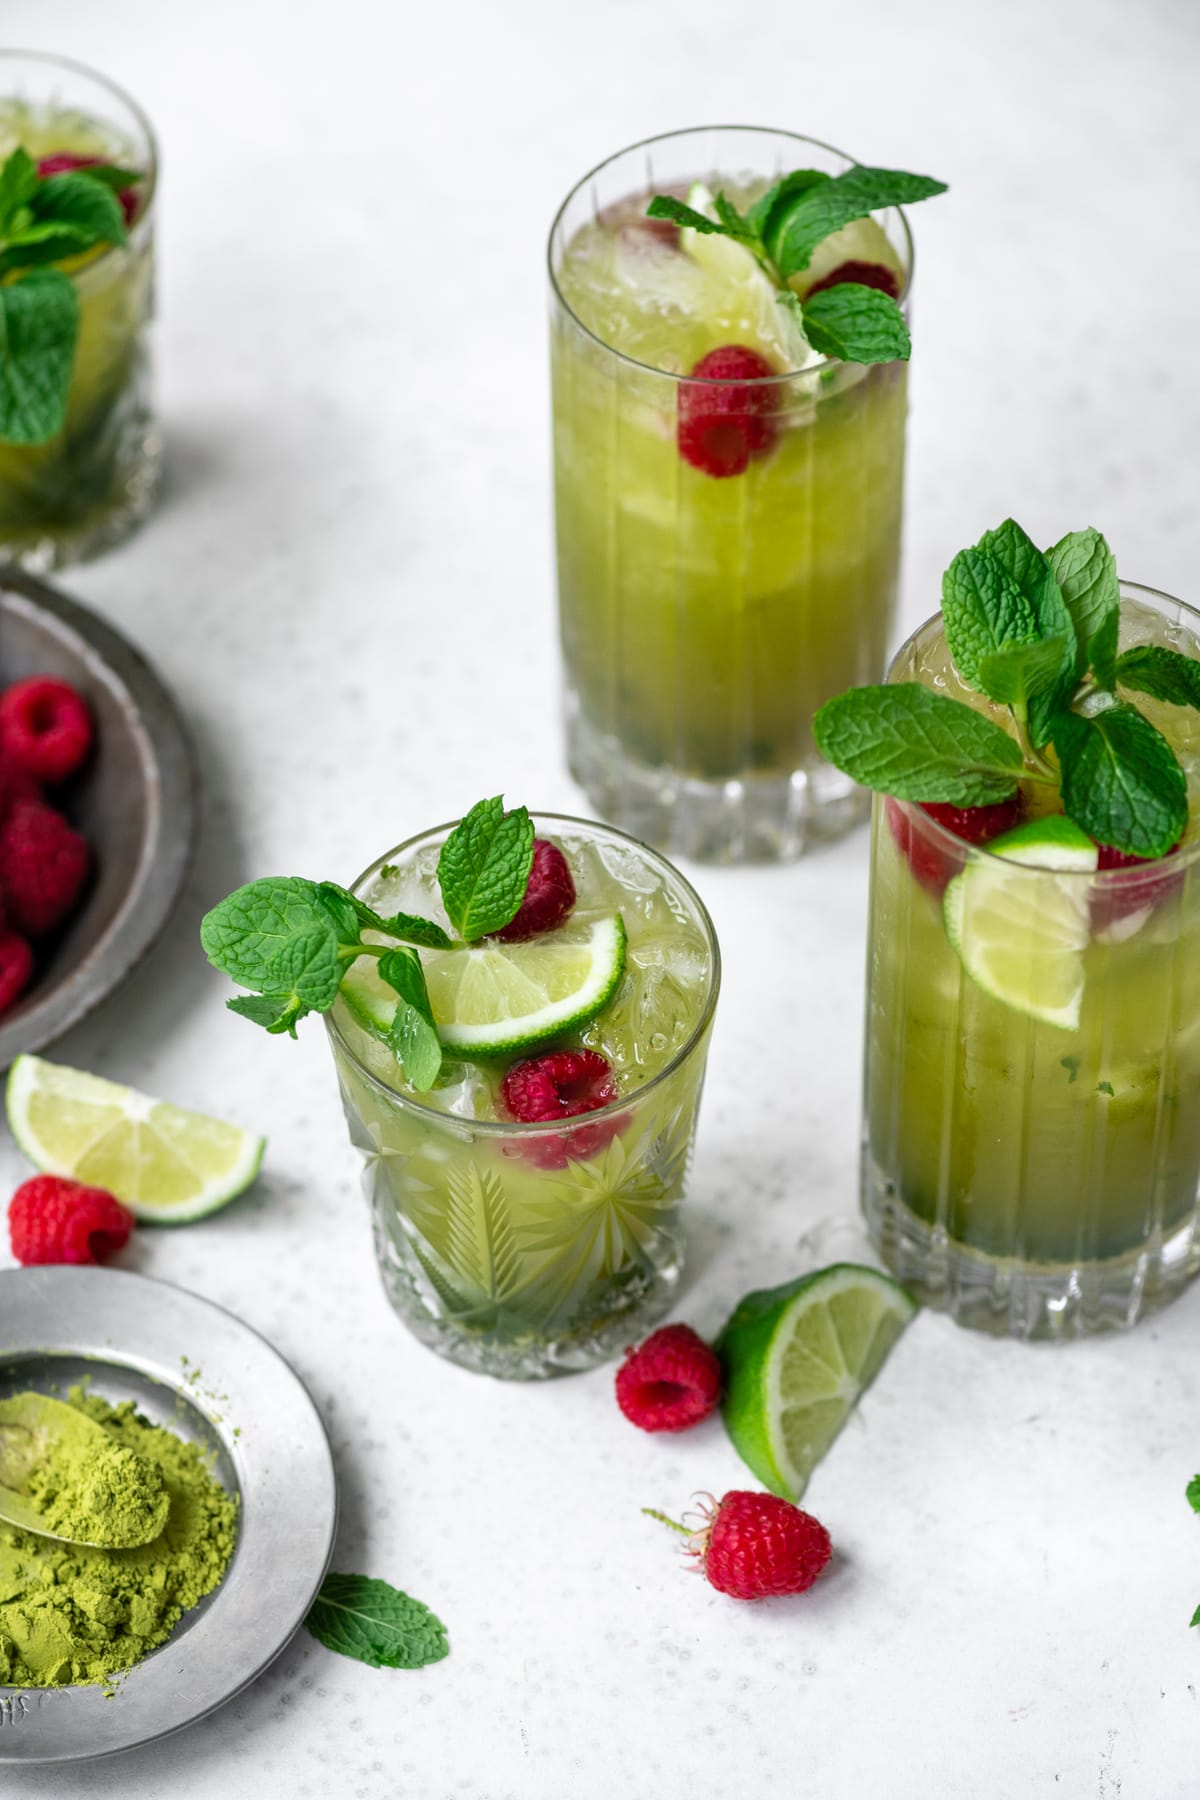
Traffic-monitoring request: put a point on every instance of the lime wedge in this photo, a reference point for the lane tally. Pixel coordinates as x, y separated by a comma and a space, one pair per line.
166, 1165
796, 1358
1020, 930
495, 999
748, 293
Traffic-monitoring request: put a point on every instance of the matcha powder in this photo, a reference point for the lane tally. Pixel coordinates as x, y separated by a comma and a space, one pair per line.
70, 1614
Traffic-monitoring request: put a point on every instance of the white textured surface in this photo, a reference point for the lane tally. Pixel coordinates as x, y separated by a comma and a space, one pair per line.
349, 589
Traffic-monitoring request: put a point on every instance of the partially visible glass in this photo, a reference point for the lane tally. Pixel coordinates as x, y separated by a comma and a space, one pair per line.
704, 620
526, 1250
1031, 1179
92, 483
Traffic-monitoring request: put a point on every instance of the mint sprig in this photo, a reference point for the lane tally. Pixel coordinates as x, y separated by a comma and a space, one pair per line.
1193, 1499
1035, 632
783, 228
44, 220
293, 941
373, 1622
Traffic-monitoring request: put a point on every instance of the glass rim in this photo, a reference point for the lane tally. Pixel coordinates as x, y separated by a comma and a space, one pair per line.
53, 60
546, 1127
757, 381
1150, 866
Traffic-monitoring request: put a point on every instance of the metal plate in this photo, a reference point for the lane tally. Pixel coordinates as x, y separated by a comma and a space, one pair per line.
129, 1335
136, 802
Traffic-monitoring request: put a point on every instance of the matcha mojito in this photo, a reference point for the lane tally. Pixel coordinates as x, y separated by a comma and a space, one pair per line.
1032, 1085
79, 449
520, 1025
728, 357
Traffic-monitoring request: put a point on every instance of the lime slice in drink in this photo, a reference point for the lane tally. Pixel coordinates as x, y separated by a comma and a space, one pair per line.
1019, 918
744, 290
496, 999
166, 1165
796, 1358
862, 241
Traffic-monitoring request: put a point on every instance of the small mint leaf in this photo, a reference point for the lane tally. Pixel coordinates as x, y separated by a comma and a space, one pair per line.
735, 225
1102, 651
1019, 672
1086, 571
856, 324
824, 208
18, 179
39, 323
767, 214
36, 244
665, 206
415, 930
80, 199
409, 926
1021, 559
483, 869
247, 936
113, 176
413, 1035
277, 1012
1163, 674
984, 610
1195, 1618
1193, 1493
903, 739
343, 910
376, 1624
1120, 780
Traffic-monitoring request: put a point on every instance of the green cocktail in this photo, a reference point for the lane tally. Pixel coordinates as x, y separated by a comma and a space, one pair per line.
712, 596
92, 480
1032, 1083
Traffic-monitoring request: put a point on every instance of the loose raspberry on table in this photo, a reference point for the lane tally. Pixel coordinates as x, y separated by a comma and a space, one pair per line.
65, 162
43, 867
53, 1220
756, 1546
549, 895
561, 1085
16, 966
721, 428
931, 864
45, 726
863, 274
670, 1382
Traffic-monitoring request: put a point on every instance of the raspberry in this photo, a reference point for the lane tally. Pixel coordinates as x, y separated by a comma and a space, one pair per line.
549, 895
64, 162
756, 1546
931, 865
43, 867
561, 1086
671, 1381
864, 274
1119, 900
52, 1220
16, 966
721, 428
45, 726
16, 783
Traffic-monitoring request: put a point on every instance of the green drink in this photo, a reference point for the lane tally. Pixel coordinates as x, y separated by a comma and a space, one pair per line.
1032, 1081
93, 479
711, 601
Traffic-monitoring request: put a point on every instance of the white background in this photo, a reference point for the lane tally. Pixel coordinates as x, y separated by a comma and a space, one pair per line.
349, 588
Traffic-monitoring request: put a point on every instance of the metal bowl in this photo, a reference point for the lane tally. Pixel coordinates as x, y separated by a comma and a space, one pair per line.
136, 802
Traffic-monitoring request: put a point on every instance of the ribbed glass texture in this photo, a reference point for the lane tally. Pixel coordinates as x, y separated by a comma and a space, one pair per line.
1035, 1179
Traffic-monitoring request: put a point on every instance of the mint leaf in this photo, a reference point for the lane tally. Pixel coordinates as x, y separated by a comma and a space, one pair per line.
483, 869
822, 209
376, 1624
39, 323
81, 200
732, 220
856, 324
355, 913
984, 610
1193, 1493
275, 935
18, 179
413, 1035
1102, 651
307, 968
1195, 1618
908, 741
1021, 559
277, 1012
1020, 672
665, 206
767, 214
1165, 674
47, 242
1120, 780
113, 176
343, 911
1086, 572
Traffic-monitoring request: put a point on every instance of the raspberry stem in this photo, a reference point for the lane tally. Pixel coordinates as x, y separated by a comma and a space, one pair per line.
652, 1513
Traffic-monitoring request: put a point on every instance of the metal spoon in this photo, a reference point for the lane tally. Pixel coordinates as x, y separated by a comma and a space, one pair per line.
33, 1428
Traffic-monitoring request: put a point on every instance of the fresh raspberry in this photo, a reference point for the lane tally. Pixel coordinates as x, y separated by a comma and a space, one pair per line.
52, 1220
930, 864
756, 1546
720, 428
16, 966
1117, 901
671, 1381
43, 867
561, 1086
45, 726
64, 162
549, 895
864, 274
16, 783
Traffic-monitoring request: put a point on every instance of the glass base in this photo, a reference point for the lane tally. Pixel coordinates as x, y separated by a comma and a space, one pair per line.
748, 819
102, 526
1025, 1300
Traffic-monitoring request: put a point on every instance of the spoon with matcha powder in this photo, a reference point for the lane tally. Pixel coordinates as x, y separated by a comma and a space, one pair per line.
63, 1477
